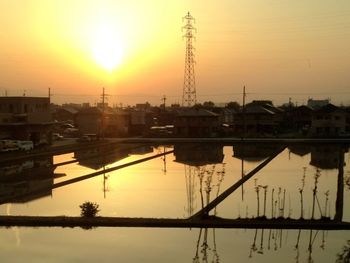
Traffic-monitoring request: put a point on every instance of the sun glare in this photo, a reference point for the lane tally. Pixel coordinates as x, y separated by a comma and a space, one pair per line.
108, 48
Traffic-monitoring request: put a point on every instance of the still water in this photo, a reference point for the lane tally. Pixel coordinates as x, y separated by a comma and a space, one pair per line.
300, 182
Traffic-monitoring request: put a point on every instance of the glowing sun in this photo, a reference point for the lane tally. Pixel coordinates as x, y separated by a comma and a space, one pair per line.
107, 48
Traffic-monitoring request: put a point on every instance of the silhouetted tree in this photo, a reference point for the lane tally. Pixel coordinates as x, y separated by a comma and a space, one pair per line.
208, 104
233, 105
89, 209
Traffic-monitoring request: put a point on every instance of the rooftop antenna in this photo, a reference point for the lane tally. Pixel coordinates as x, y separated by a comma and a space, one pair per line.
189, 86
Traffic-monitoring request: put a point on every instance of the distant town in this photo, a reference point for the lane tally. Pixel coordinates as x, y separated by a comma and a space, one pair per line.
37, 120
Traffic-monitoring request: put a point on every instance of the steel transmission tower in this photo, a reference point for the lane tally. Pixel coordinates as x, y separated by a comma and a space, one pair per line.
189, 87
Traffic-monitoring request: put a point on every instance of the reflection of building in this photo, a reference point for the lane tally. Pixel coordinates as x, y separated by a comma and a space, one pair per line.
198, 154
26, 118
326, 156
200, 161
100, 157
254, 152
27, 181
141, 150
299, 149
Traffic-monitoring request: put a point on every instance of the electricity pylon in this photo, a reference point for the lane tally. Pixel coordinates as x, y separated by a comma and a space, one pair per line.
189, 86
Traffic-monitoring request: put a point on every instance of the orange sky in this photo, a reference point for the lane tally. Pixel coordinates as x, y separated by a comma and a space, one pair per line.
278, 49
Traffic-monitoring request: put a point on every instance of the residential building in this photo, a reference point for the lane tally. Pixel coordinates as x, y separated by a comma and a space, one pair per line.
316, 104
26, 118
114, 124
196, 122
328, 121
141, 121
258, 118
65, 114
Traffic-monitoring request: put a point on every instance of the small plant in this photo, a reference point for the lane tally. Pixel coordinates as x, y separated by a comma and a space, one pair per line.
89, 209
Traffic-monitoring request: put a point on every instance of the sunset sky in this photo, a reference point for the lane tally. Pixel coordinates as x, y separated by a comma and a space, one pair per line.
278, 49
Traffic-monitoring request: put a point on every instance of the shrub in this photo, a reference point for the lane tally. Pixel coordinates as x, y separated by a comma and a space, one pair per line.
89, 209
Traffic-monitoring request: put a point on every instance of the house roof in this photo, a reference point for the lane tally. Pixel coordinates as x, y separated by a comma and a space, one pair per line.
195, 112
303, 108
257, 109
90, 110
329, 108
68, 109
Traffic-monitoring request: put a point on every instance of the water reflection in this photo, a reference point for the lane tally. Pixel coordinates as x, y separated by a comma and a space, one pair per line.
344, 255
251, 152
327, 156
295, 188
20, 182
99, 157
206, 251
203, 163
274, 239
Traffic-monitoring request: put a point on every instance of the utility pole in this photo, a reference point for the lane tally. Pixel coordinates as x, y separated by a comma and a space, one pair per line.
164, 100
189, 86
243, 111
103, 96
49, 94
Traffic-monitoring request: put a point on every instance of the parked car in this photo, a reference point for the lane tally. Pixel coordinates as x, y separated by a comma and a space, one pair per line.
8, 145
88, 138
25, 145
57, 137
84, 138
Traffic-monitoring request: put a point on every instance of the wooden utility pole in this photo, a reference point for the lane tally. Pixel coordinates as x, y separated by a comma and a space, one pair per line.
339, 204
103, 114
164, 100
243, 111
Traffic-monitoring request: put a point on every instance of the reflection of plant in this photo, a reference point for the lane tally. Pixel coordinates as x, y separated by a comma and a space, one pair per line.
314, 192
203, 249
347, 181
89, 209
301, 190
207, 182
344, 256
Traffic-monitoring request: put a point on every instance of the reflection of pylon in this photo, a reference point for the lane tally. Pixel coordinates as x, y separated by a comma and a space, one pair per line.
208, 178
190, 176
189, 87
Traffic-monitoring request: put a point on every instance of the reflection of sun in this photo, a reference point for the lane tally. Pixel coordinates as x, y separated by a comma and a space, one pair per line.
107, 48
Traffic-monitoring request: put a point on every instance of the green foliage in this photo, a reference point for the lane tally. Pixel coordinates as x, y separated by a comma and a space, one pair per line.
89, 209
